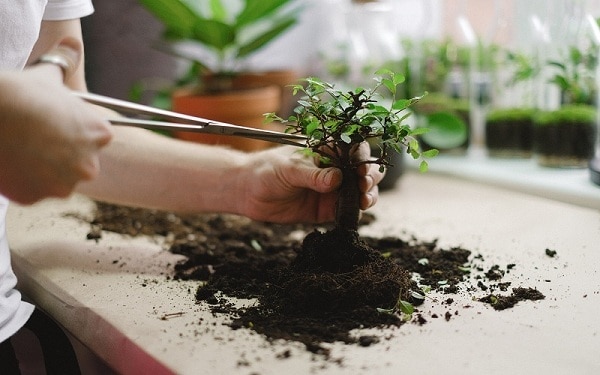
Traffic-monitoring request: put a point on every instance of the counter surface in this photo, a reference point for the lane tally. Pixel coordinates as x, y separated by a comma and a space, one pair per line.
117, 297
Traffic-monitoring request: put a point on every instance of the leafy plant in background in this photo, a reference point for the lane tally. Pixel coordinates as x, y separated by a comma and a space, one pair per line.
440, 68
524, 67
226, 33
336, 122
431, 62
575, 76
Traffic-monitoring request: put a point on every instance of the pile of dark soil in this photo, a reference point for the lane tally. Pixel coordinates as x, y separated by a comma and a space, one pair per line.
304, 293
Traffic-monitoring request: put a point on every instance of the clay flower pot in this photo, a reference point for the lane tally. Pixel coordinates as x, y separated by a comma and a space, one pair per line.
281, 78
244, 107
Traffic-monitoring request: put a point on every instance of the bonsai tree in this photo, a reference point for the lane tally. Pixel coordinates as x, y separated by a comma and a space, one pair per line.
223, 33
336, 270
335, 122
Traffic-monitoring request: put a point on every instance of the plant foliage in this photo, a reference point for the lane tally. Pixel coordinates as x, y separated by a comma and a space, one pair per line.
229, 30
575, 75
335, 121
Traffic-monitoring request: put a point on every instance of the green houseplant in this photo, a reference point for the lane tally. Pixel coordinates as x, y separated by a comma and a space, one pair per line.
218, 37
565, 137
335, 123
439, 67
509, 129
509, 132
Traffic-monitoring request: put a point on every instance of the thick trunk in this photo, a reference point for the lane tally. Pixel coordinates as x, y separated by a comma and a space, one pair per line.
348, 203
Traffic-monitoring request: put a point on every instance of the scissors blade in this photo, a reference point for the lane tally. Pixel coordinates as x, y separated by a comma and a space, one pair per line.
215, 127
125, 107
183, 122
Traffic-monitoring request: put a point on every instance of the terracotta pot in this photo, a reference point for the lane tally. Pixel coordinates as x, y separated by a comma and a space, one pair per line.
280, 78
244, 107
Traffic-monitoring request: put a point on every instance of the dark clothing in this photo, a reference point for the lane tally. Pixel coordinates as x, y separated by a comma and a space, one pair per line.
59, 356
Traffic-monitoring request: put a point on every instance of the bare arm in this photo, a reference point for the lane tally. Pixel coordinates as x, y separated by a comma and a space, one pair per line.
145, 169
52, 33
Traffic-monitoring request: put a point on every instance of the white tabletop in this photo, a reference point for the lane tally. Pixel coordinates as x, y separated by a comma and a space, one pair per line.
114, 295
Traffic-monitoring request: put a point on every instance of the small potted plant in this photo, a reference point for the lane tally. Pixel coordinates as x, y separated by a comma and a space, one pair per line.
509, 132
336, 122
564, 138
218, 37
509, 128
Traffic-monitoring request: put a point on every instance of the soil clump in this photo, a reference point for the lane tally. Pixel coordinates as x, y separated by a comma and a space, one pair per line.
312, 285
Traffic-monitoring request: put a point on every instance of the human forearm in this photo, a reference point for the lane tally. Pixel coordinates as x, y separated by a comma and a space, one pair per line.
145, 169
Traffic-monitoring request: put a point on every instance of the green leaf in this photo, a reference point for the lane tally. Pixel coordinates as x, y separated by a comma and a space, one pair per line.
398, 79
218, 10
179, 19
311, 127
430, 153
401, 104
378, 109
406, 307
385, 311
384, 72
266, 37
423, 167
418, 131
389, 84
255, 10
345, 138
413, 144
214, 33
557, 64
446, 131
561, 81
417, 295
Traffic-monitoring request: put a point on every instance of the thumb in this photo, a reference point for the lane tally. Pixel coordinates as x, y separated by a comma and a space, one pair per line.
322, 180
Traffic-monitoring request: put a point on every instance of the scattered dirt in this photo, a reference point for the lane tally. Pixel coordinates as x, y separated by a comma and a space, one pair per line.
304, 292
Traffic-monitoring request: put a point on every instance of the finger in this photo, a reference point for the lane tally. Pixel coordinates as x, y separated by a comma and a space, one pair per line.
362, 152
322, 180
370, 176
369, 199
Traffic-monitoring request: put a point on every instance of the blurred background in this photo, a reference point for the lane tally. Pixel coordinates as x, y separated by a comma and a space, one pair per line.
503, 76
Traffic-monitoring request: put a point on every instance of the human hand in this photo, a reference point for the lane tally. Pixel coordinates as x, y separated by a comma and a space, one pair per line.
283, 186
49, 139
